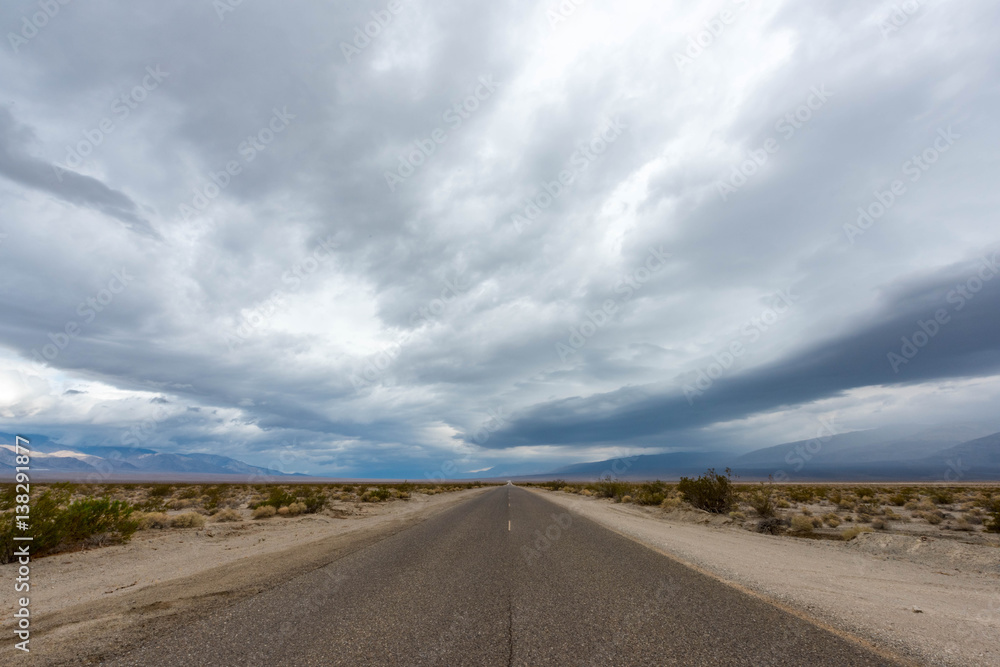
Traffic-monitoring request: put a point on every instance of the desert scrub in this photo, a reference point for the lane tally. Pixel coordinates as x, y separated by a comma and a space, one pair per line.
761, 499
711, 492
832, 520
651, 493
612, 488
264, 512
226, 515
294, 509
992, 508
802, 524
854, 531
377, 495
187, 520
150, 520
59, 524
671, 503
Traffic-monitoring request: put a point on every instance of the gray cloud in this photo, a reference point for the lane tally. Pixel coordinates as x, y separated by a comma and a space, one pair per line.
293, 297
65, 184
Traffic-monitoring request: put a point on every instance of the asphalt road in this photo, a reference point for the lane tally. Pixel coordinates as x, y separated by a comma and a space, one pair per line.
505, 578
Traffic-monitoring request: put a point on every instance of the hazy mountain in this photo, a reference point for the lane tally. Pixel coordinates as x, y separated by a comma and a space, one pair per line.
644, 466
893, 443
945, 453
50, 456
970, 458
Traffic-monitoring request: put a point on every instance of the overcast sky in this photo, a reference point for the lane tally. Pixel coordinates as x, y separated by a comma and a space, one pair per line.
492, 233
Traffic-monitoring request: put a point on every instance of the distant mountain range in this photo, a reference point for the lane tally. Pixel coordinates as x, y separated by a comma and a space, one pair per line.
54, 459
949, 453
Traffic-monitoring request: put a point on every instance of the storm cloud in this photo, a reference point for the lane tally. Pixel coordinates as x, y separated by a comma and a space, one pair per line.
364, 239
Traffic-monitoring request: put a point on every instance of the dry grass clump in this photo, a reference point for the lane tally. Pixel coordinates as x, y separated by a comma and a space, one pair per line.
264, 512
671, 503
294, 509
226, 515
187, 520
149, 520
831, 520
802, 524
854, 531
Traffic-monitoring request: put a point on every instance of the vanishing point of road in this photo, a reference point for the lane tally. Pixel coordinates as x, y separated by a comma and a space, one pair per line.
504, 578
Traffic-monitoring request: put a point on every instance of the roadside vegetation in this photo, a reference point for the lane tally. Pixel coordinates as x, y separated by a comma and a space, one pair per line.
818, 511
69, 517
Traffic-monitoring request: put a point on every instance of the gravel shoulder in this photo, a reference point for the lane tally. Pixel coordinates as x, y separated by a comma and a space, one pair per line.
934, 601
87, 604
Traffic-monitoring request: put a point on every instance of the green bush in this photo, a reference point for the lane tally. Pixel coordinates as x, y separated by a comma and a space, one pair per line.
711, 492
942, 497
57, 525
761, 499
651, 493
612, 488
801, 494
993, 509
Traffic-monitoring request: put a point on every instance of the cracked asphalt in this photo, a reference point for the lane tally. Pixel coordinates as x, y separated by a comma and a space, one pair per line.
505, 578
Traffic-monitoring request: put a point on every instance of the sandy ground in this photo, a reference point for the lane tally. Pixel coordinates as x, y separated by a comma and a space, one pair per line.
929, 600
88, 603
